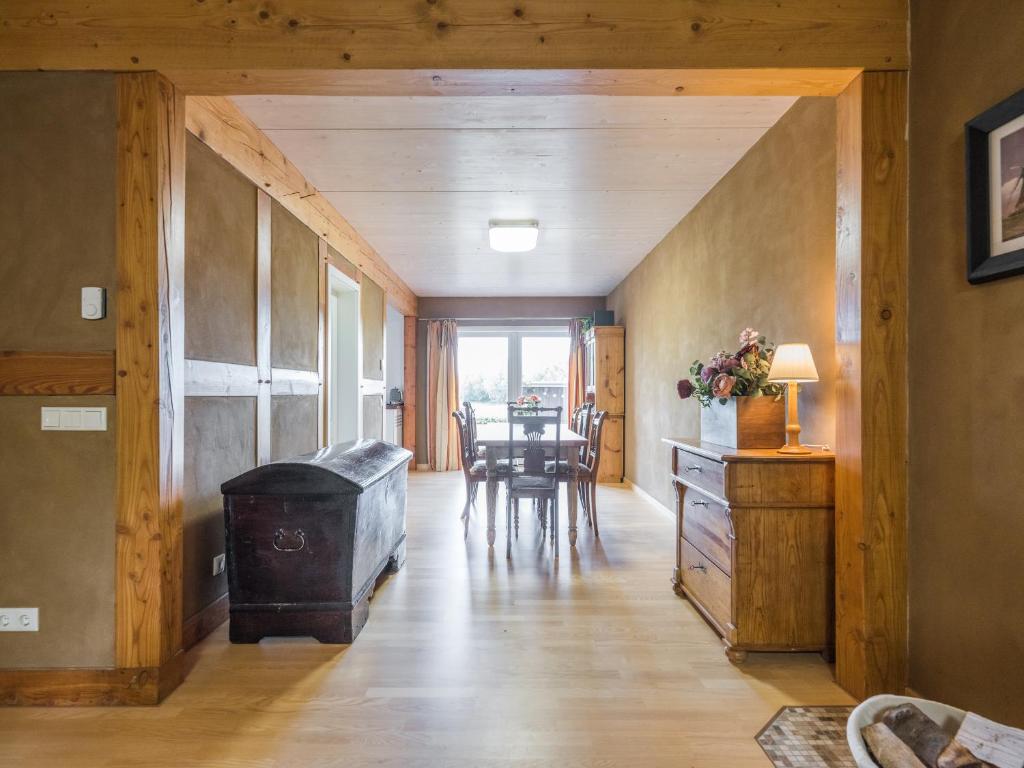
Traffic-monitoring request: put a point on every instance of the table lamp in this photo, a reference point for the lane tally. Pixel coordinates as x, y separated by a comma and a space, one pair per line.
792, 364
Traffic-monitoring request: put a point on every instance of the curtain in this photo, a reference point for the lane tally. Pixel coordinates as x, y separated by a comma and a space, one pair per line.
575, 394
442, 395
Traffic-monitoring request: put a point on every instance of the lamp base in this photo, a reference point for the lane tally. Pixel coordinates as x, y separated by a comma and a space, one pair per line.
795, 450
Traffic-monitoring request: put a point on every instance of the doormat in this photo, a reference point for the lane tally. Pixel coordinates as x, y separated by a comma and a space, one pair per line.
807, 737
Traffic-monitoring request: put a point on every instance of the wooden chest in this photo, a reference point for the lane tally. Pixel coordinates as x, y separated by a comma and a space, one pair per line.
308, 537
755, 545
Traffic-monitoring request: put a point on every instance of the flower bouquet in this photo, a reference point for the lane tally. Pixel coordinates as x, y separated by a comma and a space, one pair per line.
529, 402
743, 417
743, 373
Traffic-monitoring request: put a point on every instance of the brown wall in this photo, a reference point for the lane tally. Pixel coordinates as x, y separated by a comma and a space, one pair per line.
758, 250
966, 380
294, 292
57, 166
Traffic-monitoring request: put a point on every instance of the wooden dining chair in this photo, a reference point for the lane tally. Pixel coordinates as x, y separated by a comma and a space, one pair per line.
534, 475
474, 470
471, 423
588, 480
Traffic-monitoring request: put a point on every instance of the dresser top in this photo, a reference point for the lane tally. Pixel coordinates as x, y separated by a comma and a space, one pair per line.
724, 453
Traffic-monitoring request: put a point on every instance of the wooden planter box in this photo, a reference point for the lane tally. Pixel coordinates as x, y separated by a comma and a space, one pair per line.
745, 422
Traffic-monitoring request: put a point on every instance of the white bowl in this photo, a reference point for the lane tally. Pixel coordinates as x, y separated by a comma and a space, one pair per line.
870, 710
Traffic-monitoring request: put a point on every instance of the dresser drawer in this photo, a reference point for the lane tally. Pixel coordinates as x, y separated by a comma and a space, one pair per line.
706, 525
709, 586
706, 474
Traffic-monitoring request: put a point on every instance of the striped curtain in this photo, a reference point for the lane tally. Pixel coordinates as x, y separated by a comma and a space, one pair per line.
442, 395
575, 394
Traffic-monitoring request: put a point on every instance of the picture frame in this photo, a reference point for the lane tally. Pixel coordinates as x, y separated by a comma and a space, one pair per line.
994, 147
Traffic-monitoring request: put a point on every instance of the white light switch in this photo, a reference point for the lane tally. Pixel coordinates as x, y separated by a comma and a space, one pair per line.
74, 419
19, 619
94, 303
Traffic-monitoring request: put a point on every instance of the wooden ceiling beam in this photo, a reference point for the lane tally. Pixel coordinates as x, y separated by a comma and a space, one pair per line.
456, 34
222, 126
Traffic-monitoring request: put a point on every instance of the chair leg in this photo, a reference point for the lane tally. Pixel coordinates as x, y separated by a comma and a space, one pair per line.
515, 508
593, 507
554, 523
469, 500
508, 527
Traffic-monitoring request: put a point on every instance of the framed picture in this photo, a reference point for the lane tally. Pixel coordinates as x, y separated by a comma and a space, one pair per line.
995, 191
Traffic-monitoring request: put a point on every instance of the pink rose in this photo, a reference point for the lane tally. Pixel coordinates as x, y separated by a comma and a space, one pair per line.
723, 385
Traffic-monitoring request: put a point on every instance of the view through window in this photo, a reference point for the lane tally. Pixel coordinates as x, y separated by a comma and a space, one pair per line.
496, 366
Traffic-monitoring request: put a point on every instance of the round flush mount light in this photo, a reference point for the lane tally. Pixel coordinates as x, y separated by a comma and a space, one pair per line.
513, 236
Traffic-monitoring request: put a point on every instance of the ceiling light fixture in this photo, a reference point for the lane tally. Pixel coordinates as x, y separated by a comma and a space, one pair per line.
513, 236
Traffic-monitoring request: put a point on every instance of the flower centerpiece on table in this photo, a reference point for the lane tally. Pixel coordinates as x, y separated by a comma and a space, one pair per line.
531, 402
743, 373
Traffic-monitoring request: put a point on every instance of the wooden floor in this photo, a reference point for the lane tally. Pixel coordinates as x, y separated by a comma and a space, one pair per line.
468, 660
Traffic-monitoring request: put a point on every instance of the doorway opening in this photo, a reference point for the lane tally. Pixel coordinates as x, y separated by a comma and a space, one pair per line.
344, 356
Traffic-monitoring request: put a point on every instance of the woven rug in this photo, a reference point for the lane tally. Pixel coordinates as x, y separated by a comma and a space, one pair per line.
807, 737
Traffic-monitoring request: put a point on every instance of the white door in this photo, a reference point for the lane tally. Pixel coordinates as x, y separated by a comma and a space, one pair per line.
344, 364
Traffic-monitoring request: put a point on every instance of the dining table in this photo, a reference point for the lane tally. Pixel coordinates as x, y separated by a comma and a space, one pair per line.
494, 439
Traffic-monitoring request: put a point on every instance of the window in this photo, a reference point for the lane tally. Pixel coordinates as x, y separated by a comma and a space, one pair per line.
500, 364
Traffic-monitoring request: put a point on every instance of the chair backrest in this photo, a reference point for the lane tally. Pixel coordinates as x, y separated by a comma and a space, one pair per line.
587, 430
594, 451
537, 425
465, 447
575, 423
471, 423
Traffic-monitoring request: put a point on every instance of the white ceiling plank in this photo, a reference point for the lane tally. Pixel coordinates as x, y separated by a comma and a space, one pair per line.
445, 112
606, 177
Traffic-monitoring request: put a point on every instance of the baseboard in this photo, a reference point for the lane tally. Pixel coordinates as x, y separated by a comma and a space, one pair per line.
92, 687
648, 498
422, 467
203, 623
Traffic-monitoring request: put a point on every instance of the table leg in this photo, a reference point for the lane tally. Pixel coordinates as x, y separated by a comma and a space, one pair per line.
492, 492
573, 492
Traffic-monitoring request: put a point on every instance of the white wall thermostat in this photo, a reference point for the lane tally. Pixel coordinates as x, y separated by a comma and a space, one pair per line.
94, 303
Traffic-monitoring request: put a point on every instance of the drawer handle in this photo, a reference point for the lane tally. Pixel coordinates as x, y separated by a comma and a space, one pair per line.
702, 568
698, 503
289, 542
695, 468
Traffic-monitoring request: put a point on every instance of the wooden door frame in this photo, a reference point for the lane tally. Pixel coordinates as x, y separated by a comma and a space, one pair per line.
686, 47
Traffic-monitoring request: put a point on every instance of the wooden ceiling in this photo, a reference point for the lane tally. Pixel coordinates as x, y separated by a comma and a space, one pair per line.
420, 177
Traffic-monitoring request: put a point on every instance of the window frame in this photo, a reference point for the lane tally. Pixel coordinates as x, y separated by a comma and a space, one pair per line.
514, 335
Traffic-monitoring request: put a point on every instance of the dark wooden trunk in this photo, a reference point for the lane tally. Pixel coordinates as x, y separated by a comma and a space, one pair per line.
308, 537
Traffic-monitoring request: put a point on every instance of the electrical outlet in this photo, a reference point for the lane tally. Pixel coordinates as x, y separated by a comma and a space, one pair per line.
218, 565
19, 619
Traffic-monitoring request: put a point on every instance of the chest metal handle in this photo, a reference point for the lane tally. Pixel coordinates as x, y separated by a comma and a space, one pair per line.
289, 542
702, 568
698, 503
694, 468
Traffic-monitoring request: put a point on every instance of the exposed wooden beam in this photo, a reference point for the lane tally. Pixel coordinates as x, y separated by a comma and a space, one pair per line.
224, 128
871, 428
456, 34
150, 356
57, 373
518, 82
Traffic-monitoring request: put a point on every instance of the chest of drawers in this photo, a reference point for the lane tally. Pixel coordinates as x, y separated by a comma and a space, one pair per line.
755, 545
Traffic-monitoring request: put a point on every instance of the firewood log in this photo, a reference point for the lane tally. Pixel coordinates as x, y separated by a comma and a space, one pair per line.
1000, 745
918, 731
956, 755
887, 749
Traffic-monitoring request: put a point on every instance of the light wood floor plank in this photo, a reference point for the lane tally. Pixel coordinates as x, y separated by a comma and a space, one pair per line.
467, 660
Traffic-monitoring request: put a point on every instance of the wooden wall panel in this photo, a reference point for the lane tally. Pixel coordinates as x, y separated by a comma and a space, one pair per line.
57, 229
409, 388
220, 259
57, 519
373, 417
294, 431
372, 305
220, 443
871, 343
294, 292
57, 373
150, 357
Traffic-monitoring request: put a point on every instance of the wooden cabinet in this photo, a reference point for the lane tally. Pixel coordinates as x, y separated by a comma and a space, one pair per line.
755, 545
605, 378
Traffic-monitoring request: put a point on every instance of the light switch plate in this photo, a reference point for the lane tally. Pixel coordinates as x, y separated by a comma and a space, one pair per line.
218, 565
94, 303
74, 419
19, 619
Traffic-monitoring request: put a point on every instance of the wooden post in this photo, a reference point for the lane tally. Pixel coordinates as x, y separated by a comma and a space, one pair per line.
871, 344
150, 384
409, 389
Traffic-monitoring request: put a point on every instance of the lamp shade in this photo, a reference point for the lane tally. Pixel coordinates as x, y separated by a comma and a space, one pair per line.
793, 362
